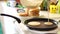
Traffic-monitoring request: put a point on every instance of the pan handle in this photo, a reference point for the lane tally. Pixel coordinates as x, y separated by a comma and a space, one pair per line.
17, 19
58, 21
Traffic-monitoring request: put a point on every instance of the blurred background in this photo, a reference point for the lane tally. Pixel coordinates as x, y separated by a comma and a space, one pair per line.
14, 7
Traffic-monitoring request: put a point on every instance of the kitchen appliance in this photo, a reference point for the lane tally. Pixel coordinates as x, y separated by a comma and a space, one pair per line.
33, 30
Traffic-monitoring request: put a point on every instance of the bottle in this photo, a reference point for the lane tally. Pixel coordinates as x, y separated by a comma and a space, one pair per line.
44, 5
58, 6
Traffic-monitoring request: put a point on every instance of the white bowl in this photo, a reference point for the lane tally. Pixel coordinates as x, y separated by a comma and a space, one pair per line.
28, 3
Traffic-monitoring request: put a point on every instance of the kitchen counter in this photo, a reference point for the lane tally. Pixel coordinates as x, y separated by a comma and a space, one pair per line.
45, 14
9, 26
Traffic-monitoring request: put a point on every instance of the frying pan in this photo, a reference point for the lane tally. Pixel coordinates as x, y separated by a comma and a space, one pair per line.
44, 27
41, 28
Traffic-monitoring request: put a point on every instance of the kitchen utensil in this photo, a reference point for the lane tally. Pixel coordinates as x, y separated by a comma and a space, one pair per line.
41, 28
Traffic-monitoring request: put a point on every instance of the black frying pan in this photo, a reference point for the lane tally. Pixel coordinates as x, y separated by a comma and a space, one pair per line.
42, 20
44, 27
